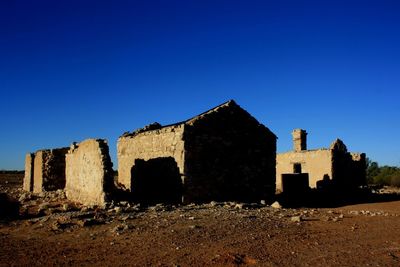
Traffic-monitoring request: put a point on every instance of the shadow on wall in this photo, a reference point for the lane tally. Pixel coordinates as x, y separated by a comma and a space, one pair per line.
156, 181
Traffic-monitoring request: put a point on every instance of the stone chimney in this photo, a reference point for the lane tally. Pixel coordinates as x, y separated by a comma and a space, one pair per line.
299, 140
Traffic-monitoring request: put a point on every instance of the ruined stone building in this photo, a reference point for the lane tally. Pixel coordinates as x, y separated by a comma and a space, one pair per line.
84, 171
221, 154
45, 170
334, 165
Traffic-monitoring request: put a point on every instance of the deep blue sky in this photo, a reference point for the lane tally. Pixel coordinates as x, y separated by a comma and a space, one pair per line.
71, 70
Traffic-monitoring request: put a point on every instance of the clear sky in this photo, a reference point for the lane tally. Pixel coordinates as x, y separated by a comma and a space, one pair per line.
71, 70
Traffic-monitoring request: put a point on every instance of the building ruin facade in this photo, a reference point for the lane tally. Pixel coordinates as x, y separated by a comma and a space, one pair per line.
45, 170
221, 154
334, 165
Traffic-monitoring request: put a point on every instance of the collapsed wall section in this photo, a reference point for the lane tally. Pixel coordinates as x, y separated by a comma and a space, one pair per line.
163, 143
89, 173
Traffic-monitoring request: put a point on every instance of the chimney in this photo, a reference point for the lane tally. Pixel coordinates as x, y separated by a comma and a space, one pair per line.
299, 140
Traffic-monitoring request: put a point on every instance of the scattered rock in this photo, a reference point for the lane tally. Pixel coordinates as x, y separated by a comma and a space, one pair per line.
118, 210
119, 229
276, 205
296, 219
213, 204
239, 206
263, 202
66, 207
25, 197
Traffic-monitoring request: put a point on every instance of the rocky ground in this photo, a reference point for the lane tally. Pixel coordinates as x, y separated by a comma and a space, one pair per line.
52, 231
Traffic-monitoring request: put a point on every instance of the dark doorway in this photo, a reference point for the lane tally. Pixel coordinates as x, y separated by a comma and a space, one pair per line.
156, 181
294, 184
297, 168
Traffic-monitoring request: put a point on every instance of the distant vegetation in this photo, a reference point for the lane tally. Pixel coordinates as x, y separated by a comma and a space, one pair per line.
385, 175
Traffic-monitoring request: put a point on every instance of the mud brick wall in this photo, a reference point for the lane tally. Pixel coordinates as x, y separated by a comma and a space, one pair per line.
28, 178
89, 173
161, 143
49, 170
229, 155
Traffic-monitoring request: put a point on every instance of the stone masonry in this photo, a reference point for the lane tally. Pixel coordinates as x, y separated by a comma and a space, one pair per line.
89, 172
28, 179
221, 154
45, 170
335, 164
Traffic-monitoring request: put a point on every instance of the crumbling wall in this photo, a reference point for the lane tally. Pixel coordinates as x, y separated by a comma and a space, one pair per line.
316, 163
49, 170
359, 168
89, 173
145, 145
349, 169
28, 178
229, 155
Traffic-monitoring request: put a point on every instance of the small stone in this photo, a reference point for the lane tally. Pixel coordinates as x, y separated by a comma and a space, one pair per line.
66, 207
263, 202
118, 210
239, 206
296, 219
124, 203
24, 197
276, 205
55, 226
191, 218
213, 203
44, 206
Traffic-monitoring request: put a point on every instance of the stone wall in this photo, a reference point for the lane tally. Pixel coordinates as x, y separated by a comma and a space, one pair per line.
349, 169
359, 170
28, 178
316, 163
49, 170
229, 155
159, 143
89, 172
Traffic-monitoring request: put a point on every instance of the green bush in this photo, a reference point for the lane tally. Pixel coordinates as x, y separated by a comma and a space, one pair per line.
385, 175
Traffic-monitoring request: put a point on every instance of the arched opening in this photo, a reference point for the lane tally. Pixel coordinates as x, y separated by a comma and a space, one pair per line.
156, 181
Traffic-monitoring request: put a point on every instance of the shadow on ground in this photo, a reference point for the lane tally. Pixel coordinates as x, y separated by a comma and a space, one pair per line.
315, 198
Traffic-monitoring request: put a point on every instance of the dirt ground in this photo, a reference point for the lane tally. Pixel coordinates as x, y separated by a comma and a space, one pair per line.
50, 231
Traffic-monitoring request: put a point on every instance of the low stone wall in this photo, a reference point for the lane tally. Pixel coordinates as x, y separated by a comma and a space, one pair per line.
89, 173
